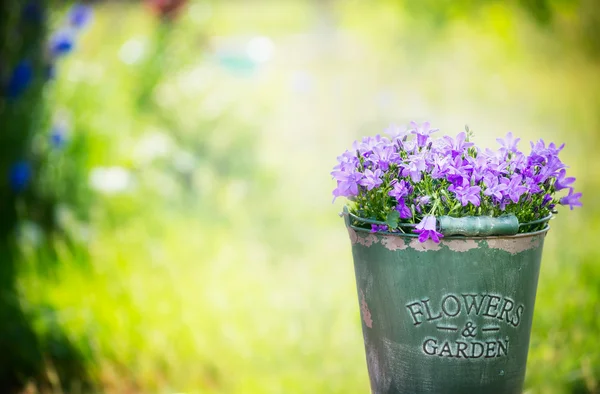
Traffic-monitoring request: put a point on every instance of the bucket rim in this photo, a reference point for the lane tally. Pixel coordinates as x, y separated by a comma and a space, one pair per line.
346, 215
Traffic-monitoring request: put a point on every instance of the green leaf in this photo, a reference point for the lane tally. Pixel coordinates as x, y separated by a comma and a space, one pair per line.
392, 219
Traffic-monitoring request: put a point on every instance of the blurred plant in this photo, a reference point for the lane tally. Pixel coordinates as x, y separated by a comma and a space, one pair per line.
166, 9
577, 21
27, 58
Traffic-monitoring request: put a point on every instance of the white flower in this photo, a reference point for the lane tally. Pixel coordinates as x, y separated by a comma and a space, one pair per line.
110, 180
151, 146
260, 49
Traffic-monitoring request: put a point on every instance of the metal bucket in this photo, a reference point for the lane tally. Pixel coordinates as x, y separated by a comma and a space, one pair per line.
453, 317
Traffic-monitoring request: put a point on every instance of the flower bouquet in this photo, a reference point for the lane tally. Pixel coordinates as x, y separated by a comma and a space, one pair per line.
410, 181
447, 241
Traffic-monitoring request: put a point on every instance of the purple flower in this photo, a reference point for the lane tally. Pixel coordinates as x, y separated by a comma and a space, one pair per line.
515, 187
427, 229
458, 171
365, 147
547, 198
423, 200
397, 132
376, 228
423, 132
508, 143
400, 190
440, 167
403, 210
19, 176
494, 188
466, 193
347, 160
347, 183
539, 149
562, 182
518, 163
479, 167
383, 156
415, 167
371, 180
533, 186
572, 200
80, 16
459, 145
551, 168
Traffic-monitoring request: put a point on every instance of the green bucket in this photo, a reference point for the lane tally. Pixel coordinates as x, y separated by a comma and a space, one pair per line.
453, 317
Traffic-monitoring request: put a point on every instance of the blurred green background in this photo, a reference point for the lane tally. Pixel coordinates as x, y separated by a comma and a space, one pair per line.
181, 236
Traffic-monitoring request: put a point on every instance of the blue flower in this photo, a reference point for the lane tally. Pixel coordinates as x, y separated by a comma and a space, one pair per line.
58, 137
20, 175
80, 16
61, 43
20, 79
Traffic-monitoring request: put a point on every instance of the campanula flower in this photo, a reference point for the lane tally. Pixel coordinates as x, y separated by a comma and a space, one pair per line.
440, 167
423, 200
517, 164
508, 143
371, 179
562, 181
572, 199
540, 149
422, 131
346, 161
415, 167
494, 188
459, 144
466, 193
532, 185
515, 188
547, 198
403, 210
383, 156
427, 229
365, 147
400, 190
397, 132
348, 181
551, 168
377, 228
479, 167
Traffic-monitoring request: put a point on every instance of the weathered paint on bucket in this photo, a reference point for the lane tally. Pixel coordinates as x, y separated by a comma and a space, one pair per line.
453, 317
